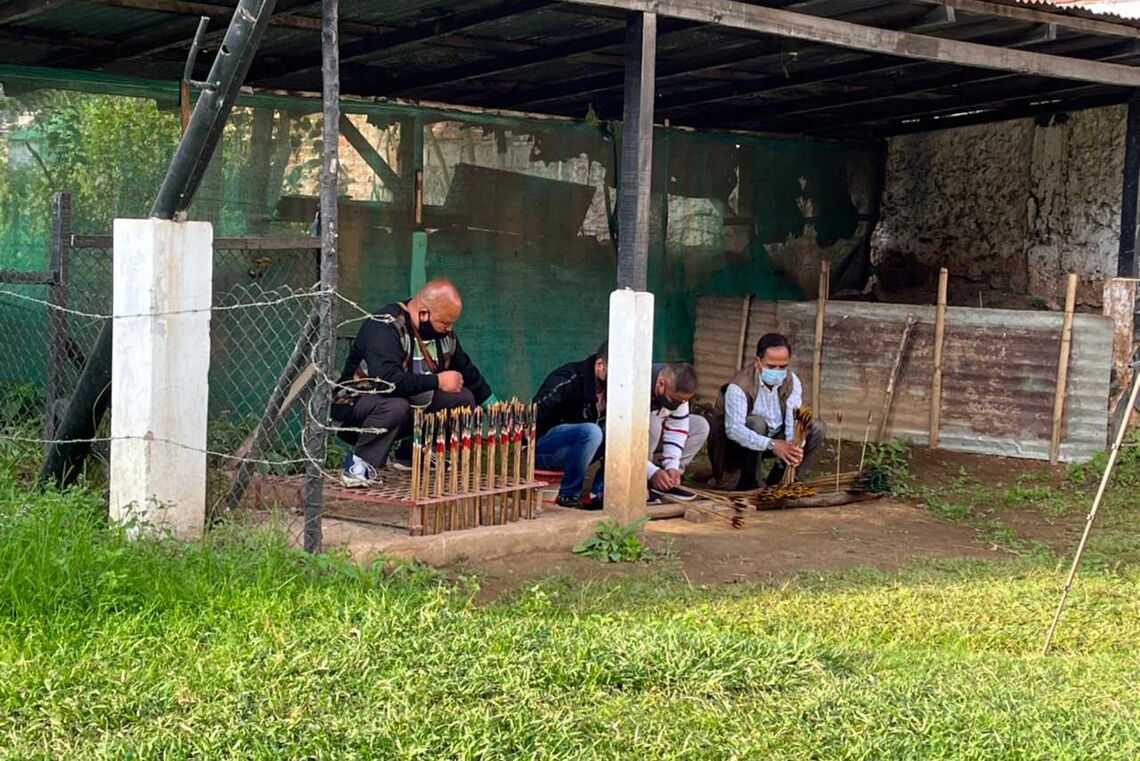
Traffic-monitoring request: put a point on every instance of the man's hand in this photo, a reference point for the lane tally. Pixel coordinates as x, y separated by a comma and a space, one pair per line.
664, 480
450, 381
788, 452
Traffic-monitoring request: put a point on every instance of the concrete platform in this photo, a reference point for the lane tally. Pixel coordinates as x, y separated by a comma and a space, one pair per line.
555, 529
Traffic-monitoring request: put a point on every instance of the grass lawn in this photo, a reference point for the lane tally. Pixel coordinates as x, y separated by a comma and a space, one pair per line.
241, 647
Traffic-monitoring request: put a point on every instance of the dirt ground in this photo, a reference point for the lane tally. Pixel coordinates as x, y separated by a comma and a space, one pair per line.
884, 534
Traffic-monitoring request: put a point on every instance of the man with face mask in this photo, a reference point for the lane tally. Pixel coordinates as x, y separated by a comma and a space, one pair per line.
413, 347
754, 418
571, 409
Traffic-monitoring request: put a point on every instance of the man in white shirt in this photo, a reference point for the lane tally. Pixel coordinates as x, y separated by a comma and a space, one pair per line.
754, 418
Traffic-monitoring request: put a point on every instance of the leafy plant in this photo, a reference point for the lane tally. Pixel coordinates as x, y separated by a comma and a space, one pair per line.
893, 458
613, 543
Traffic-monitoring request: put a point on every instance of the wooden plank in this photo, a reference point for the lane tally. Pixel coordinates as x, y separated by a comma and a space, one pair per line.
637, 152
19, 277
1063, 369
845, 34
371, 156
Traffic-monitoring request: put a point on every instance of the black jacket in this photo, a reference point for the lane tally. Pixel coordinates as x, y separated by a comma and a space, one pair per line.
386, 351
568, 395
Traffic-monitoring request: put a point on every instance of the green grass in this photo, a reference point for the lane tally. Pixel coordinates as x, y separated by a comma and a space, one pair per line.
241, 647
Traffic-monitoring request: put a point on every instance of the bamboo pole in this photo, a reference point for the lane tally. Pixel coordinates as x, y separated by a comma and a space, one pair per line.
440, 470
504, 462
745, 312
1063, 369
417, 423
1092, 515
866, 436
838, 449
425, 464
885, 412
465, 472
817, 357
936, 380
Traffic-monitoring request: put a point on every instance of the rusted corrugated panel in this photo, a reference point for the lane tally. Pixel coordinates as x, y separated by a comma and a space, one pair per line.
717, 337
999, 372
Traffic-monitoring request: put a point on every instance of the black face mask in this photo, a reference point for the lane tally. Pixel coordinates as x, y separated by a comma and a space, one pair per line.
667, 403
427, 330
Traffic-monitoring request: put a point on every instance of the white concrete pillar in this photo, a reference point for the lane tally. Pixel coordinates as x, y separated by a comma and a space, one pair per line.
628, 378
159, 363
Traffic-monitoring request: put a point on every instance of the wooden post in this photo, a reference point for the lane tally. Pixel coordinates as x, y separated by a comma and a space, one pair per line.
885, 413
1126, 260
1063, 369
817, 357
316, 435
936, 380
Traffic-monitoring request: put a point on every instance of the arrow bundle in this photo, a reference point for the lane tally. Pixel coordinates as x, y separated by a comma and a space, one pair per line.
799, 438
473, 467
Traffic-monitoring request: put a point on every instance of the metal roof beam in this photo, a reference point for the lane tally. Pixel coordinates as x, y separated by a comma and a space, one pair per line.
844, 34
398, 38
1029, 15
18, 10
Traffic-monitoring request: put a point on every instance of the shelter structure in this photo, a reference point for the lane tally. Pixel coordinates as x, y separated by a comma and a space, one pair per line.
855, 71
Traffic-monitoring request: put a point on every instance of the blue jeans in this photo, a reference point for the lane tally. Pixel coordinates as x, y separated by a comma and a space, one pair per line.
571, 448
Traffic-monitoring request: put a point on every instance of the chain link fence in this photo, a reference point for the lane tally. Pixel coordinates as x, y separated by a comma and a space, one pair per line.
263, 296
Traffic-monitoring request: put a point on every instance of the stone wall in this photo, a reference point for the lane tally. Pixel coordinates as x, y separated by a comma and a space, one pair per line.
1012, 206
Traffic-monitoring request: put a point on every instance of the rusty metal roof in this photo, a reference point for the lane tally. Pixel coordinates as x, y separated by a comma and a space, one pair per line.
560, 58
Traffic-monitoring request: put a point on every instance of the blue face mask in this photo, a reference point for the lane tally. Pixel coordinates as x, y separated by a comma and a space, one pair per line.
773, 377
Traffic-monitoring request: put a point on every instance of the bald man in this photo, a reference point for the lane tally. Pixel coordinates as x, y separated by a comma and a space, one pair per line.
418, 352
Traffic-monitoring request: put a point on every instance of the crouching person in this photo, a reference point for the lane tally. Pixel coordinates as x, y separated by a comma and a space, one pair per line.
571, 405
754, 419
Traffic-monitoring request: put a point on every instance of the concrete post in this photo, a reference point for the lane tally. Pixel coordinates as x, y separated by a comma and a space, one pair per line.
629, 376
160, 358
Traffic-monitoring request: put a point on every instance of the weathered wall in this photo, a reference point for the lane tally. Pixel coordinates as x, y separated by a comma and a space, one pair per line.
1009, 206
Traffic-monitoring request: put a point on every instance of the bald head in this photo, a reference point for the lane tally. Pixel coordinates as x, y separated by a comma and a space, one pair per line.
438, 302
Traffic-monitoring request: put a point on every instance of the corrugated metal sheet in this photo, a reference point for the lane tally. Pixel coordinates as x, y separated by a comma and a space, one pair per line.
999, 370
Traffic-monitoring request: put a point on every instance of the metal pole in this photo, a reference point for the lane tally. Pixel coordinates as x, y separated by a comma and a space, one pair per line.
1126, 262
92, 394
57, 295
636, 151
1092, 514
316, 435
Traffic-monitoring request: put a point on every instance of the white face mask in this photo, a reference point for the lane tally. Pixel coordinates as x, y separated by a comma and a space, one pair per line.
772, 376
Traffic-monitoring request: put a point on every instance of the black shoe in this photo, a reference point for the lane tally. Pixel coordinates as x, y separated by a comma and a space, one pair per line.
776, 474
654, 498
566, 500
679, 494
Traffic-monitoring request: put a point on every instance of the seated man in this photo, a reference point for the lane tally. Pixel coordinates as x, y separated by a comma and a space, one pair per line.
415, 350
571, 404
754, 416
675, 435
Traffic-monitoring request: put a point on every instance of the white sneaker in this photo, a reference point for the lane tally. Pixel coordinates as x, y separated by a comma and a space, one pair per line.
357, 474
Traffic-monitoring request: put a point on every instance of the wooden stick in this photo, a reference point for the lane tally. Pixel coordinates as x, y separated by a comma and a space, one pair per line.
866, 435
478, 464
504, 462
440, 470
425, 465
493, 441
532, 493
745, 312
465, 473
885, 412
417, 424
817, 357
936, 380
517, 497
1092, 513
838, 450
1063, 369
453, 462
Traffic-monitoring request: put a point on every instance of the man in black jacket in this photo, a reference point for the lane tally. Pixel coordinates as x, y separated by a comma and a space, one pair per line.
571, 406
404, 356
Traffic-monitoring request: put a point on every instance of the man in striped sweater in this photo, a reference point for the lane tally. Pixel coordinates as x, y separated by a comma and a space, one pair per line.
675, 434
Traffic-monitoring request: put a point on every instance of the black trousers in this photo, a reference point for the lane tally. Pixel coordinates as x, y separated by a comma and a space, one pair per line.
392, 413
